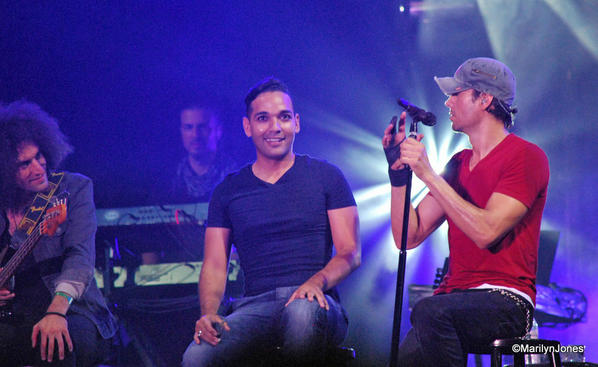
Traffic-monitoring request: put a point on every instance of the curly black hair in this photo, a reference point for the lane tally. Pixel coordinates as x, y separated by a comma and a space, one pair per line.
25, 122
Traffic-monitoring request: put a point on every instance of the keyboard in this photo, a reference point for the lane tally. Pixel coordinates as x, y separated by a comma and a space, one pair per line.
153, 214
164, 274
176, 230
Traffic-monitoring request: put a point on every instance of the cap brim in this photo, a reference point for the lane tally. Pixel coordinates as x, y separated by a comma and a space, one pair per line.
450, 85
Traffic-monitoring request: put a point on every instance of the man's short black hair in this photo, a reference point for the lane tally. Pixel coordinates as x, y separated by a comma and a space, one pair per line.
25, 122
270, 84
214, 114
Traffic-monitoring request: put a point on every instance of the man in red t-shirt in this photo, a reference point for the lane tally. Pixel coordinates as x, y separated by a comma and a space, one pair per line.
492, 196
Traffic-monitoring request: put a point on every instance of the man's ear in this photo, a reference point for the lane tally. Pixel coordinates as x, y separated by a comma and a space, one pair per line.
217, 126
486, 100
247, 127
297, 125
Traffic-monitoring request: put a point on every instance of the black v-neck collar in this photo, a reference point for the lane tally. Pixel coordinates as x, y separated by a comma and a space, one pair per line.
281, 179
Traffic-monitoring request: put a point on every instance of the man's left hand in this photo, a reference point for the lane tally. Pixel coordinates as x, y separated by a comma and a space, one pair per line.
310, 290
53, 329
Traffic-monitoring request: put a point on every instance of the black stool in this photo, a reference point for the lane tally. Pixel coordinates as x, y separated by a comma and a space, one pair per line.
526, 346
335, 357
340, 356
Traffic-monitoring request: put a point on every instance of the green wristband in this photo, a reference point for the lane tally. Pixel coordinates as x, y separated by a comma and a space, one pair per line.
68, 297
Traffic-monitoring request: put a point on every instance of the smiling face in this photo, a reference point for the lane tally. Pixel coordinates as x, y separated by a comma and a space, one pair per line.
272, 125
31, 168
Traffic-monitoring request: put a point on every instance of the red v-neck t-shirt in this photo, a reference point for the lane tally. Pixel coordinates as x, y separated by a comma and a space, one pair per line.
515, 168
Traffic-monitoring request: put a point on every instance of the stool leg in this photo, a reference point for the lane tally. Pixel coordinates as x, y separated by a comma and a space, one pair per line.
556, 359
519, 360
496, 358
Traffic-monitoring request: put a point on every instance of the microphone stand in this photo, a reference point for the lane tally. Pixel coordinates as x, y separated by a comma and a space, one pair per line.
396, 326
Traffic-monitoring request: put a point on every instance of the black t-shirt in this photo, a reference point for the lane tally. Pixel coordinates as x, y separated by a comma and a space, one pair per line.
281, 230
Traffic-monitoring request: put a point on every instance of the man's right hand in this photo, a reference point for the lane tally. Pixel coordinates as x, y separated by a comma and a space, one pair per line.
206, 329
5, 296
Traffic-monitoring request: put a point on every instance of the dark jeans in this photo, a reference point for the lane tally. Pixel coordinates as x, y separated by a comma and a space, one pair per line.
258, 324
445, 325
89, 348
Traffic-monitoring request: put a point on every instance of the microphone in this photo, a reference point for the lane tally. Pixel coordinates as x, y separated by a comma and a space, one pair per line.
417, 114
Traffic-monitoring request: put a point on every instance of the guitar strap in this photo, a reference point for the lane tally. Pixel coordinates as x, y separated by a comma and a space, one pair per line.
36, 210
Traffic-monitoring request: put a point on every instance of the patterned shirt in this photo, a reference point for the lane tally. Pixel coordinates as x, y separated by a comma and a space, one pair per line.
188, 186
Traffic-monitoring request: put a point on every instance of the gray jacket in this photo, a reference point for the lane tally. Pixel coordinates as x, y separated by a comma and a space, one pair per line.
69, 255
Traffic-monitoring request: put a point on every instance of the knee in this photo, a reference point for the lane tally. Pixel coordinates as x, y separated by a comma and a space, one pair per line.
194, 356
189, 356
89, 346
409, 351
427, 312
303, 312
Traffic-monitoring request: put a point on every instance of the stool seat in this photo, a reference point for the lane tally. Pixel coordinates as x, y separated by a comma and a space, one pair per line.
519, 347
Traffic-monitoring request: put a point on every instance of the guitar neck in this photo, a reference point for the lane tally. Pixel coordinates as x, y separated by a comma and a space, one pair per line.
11, 266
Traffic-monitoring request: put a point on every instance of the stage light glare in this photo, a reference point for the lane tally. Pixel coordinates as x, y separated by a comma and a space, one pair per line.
580, 18
391, 252
369, 193
374, 206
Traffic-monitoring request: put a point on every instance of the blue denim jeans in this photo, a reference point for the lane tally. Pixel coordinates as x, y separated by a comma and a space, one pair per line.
444, 325
260, 323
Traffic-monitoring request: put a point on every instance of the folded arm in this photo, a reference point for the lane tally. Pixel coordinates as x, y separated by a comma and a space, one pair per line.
484, 226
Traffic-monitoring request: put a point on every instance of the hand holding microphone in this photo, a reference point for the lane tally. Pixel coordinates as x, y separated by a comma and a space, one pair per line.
392, 140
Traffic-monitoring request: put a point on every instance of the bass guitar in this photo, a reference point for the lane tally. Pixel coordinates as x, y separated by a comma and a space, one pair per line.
54, 216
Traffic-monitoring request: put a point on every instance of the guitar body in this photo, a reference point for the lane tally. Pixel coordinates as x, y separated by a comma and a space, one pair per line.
7, 314
53, 217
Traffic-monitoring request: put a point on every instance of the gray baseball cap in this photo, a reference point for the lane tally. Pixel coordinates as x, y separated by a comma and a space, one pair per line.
483, 74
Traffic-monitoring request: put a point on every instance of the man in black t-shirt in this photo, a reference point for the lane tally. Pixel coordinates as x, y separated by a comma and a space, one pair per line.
283, 213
